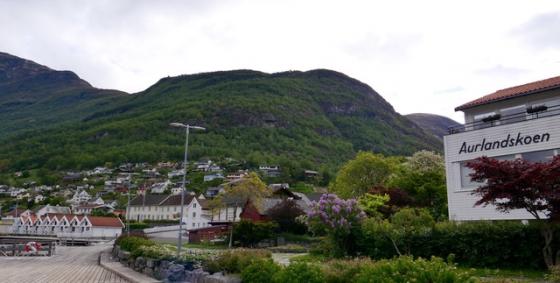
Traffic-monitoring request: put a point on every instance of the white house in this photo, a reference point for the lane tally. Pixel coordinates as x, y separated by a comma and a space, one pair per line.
39, 198
53, 209
159, 188
69, 225
168, 207
80, 196
516, 122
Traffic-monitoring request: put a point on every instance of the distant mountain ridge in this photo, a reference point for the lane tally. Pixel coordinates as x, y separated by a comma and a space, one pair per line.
35, 96
434, 124
297, 119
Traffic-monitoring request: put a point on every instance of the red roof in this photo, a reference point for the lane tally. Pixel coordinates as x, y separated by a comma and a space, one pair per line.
513, 92
105, 221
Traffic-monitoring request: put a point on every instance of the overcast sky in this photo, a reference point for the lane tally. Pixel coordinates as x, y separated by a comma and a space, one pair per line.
422, 56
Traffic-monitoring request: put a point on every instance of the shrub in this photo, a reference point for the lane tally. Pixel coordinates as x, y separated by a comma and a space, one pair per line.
342, 271
248, 233
235, 261
406, 269
472, 243
340, 219
132, 243
299, 272
259, 271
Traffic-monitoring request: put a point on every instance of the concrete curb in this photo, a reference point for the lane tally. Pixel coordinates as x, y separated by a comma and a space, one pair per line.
125, 272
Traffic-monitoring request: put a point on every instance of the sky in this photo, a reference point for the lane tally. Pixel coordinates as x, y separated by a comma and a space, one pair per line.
421, 56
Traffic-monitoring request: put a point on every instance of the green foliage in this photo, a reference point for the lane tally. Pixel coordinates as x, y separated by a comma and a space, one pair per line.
259, 271
365, 171
101, 212
285, 214
139, 226
476, 244
133, 243
423, 178
248, 233
371, 203
235, 261
299, 272
406, 269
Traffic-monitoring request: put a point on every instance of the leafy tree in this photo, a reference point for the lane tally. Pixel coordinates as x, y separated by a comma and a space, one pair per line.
101, 212
371, 203
248, 233
522, 184
249, 188
285, 214
397, 199
422, 176
341, 219
358, 175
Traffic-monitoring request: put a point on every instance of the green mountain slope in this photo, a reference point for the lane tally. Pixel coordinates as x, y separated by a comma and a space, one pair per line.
302, 119
434, 124
33, 96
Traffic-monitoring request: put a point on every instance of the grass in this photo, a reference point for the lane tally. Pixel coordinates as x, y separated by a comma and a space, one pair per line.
506, 275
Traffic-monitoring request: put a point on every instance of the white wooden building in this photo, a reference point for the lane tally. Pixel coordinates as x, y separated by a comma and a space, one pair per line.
517, 122
69, 226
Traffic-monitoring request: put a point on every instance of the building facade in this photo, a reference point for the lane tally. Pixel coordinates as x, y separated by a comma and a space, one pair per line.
517, 122
68, 226
168, 207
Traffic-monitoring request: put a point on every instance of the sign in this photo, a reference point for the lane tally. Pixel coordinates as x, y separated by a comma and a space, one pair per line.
509, 141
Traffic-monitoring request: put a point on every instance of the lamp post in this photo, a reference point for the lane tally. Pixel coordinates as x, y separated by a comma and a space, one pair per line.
187, 130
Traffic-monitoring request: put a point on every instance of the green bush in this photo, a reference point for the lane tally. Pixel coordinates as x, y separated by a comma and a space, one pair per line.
406, 269
500, 244
342, 271
299, 272
259, 271
132, 243
235, 261
248, 233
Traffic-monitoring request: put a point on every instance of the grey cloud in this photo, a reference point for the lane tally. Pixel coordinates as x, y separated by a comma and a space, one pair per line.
541, 32
500, 71
393, 48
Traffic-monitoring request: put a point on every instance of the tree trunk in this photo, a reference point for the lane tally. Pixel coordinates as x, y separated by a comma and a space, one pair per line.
231, 229
548, 233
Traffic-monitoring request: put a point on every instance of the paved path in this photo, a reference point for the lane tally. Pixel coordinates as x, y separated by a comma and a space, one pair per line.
69, 264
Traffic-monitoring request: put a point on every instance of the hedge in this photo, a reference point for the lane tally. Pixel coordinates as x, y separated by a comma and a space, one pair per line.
503, 244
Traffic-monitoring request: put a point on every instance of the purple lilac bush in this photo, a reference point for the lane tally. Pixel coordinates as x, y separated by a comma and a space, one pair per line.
340, 219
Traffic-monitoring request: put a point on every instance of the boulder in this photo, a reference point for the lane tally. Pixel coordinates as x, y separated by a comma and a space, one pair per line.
221, 278
176, 273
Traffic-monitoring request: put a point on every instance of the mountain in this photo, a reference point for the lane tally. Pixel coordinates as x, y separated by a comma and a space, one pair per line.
310, 120
435, 124
33, 96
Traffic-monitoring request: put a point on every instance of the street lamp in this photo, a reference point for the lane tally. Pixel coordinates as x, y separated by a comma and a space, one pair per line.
187, 128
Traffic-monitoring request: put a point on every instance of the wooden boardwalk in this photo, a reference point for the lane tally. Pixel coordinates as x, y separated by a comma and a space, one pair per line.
69, 264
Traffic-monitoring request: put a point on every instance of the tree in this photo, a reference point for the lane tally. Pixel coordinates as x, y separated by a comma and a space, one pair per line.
285, 214
371, 203
249, 188
422, 176
248, 234
358, 175
521, 184
340, 219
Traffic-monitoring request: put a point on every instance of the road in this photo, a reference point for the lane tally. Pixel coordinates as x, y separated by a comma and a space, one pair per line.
69, 264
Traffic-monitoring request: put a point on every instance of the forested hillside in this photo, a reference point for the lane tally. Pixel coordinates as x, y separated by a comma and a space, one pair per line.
297, 119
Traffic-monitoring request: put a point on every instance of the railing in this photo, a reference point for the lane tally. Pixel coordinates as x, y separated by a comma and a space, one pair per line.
26, 247
497, 120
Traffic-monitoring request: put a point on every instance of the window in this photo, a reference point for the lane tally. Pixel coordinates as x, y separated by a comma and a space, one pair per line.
168, 209
513, 114
465, 176
539, 156
194, 205
194, 214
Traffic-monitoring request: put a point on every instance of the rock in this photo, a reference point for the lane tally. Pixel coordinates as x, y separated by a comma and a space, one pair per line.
148, 271
176, 273
150, 263
196, 276
220, 278
140, 262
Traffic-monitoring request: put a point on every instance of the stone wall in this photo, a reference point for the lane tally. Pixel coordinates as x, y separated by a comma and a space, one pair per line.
169, 271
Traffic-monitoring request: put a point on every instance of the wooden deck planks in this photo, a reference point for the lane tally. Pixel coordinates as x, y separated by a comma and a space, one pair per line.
69, 264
